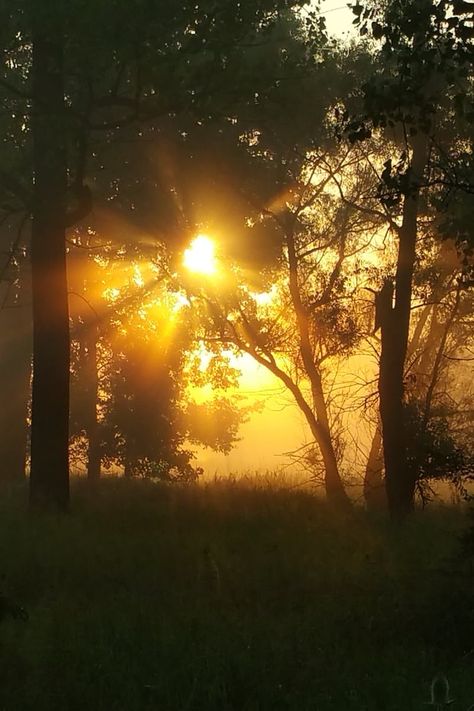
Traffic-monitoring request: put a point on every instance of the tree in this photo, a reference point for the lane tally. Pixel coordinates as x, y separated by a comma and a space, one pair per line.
15, 350
83, 81
305, 321
49, 475
433, 401
278, 192
135, 369
420, 66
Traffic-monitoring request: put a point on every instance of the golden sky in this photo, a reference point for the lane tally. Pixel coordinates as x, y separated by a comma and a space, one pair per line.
278, 427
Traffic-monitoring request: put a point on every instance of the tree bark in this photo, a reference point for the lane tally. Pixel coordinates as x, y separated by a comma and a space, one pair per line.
374, 485
92, 425
335, 490
49, 480
15, 374
400, 482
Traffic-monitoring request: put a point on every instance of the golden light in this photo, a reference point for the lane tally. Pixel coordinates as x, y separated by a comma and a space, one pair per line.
179, 301
200, 256
265, 298
137, 277
111, 293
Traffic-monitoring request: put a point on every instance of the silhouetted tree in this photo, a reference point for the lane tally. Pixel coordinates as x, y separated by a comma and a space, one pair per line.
49, 475
144, 62
15, 355
421, 64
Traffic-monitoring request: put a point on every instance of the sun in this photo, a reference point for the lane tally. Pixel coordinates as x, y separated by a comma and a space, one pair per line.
200, 256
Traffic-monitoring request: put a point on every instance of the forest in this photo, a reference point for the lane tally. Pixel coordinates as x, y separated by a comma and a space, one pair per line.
195, 197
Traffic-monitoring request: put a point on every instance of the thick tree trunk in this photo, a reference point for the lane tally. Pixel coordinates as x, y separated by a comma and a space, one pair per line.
400, 482
374, 485
49, 481
15, 376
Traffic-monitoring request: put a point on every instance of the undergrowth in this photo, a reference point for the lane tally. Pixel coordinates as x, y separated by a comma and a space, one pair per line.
230, 596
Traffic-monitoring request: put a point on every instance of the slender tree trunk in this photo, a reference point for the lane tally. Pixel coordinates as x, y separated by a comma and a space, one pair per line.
333, 483
430, 346
374, 485
400, 482
321, 429
418, 332
49, 481
437, 365
15, 376
92, 424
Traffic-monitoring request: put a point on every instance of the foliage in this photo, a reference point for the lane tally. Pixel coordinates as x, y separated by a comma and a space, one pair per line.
433, 452
139, 426
425, 49
216, 423
146, 368
421, 83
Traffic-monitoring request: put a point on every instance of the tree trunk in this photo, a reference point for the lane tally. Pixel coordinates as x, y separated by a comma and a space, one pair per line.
400, 482
49, 481
127, 468
15, 376
335, 490
437, 365
374, 485
92, 426
334, 487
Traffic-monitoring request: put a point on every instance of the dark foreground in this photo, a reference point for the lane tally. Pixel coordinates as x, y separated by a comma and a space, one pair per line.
230, 598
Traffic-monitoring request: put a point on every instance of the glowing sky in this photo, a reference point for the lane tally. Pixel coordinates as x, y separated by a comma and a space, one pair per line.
338, 17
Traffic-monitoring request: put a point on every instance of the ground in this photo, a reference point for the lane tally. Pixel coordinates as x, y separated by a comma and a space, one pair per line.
230, 596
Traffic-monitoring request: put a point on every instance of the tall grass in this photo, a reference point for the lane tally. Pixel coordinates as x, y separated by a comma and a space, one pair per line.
230, 596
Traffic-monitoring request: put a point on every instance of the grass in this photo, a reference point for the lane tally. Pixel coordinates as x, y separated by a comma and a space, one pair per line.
230, 596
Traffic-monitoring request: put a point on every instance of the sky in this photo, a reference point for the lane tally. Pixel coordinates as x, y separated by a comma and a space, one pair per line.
338, 17
278, 428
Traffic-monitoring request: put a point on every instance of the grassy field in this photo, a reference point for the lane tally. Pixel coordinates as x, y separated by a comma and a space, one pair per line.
230, 596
